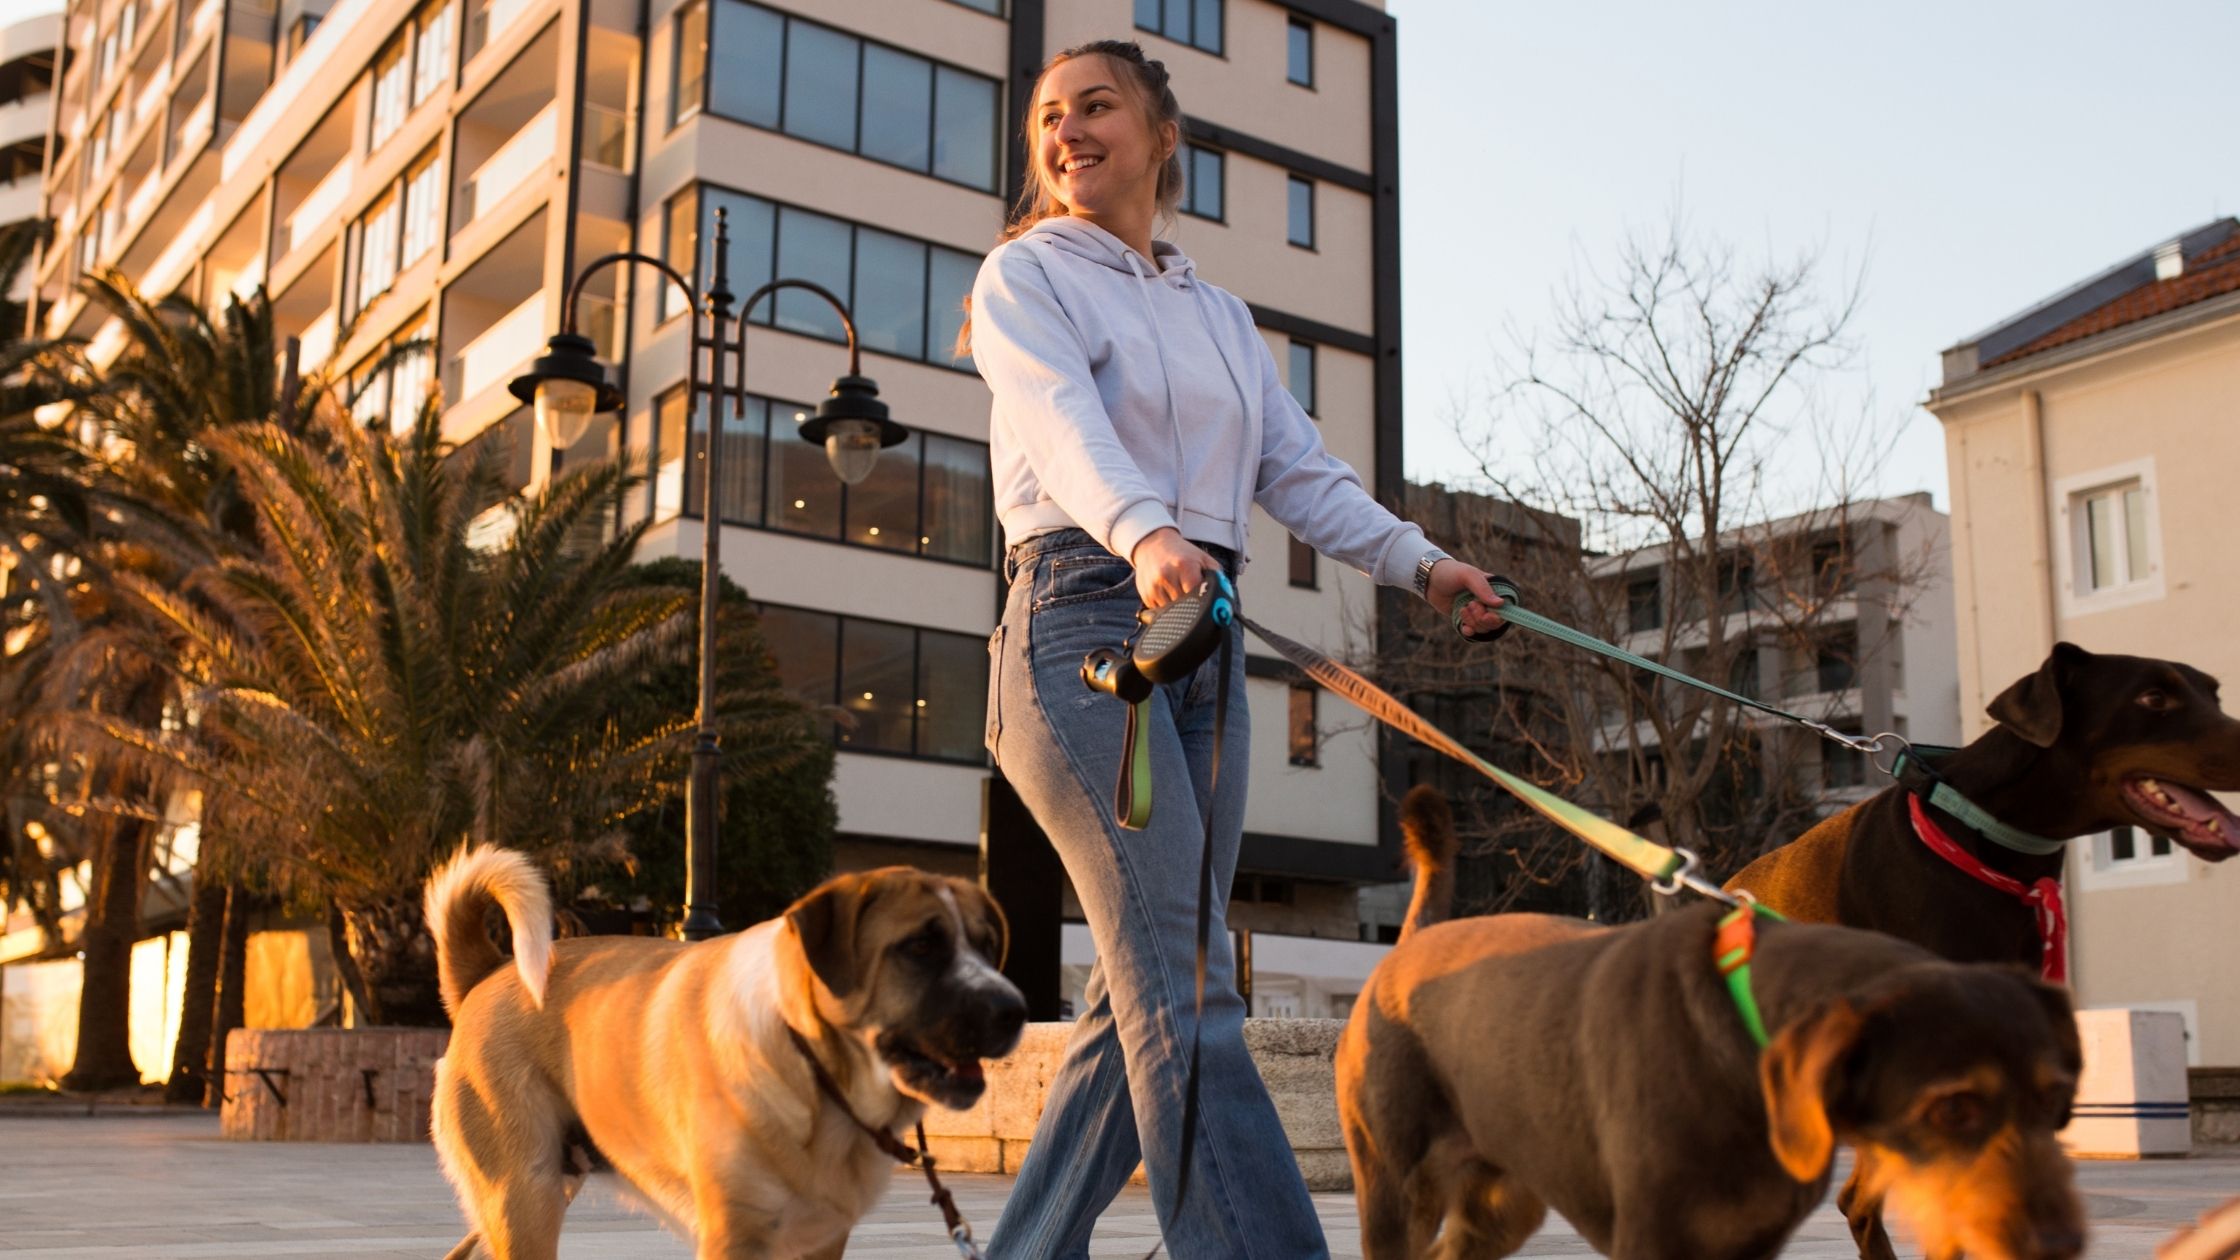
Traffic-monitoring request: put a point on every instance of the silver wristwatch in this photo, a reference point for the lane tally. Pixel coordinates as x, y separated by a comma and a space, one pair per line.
1424, 566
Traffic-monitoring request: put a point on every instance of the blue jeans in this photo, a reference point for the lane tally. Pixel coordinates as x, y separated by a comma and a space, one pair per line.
1118, 1096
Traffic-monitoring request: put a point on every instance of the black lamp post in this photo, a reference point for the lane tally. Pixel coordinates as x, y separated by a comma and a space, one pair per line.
567, 387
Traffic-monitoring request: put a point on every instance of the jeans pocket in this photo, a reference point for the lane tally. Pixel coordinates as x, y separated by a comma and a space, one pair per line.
1080, 577
994, 726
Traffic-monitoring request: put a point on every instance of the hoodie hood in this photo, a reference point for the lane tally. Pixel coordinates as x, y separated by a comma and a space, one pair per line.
1085, 240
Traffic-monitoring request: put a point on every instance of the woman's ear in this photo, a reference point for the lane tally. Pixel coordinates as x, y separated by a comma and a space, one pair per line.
1170, 136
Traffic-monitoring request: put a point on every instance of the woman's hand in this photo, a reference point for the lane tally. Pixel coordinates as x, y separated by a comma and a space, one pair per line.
1168, 567
1449, 578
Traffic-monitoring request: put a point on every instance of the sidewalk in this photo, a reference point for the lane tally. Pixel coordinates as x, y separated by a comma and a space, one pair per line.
164, 1185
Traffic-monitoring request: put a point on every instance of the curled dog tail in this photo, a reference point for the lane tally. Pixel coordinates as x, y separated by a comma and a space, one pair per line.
1427, 826
460, 895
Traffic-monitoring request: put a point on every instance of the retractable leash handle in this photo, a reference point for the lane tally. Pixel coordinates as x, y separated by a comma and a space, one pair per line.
1502, 587
1168, 644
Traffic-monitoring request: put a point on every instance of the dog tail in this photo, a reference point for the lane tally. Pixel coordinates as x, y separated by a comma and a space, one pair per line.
460, 895
1427, 825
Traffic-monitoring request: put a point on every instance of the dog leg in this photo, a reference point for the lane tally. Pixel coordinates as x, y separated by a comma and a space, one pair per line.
521, 1221
1862, 1210
1383, 1207
1489, 1216
465, 1249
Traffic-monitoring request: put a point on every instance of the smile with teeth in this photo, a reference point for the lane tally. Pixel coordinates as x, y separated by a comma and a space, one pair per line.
2187, 812
1073, 164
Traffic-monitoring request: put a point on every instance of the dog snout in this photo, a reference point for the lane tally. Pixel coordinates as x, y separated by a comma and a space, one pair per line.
1006, 1017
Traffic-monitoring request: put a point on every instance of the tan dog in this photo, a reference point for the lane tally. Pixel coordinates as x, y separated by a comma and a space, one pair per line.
675, 1062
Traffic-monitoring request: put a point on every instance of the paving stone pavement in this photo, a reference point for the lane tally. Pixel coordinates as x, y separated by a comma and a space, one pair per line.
165, 1186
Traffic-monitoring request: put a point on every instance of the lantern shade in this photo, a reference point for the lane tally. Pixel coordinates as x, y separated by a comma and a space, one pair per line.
567, 387
853, 426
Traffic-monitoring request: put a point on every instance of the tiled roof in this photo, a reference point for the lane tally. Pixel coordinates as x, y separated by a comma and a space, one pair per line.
2213, 272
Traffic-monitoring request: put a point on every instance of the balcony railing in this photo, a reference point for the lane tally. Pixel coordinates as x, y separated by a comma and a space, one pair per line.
526, 153
319, 205
317, 341
606, 137
488, 19
498, 354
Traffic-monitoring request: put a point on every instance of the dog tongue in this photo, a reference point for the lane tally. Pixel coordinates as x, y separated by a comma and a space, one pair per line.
2201, 811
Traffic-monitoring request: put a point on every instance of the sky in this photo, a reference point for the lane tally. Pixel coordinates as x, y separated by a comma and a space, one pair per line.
1970, 159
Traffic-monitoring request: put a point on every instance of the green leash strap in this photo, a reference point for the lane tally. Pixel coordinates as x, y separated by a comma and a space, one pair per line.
1913, 772
1733, 948
1132, 798
1514, 612
1643, 857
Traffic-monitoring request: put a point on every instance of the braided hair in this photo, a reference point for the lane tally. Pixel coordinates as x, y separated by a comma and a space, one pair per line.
1151, 84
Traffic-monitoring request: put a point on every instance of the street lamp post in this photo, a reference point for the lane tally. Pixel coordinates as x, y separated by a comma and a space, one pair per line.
566, 386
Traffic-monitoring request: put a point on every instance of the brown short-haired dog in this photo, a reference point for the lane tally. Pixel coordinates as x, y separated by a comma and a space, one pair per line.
1497, 1067
678, 1062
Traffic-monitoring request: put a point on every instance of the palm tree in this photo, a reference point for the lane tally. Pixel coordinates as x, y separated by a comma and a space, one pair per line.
372, 688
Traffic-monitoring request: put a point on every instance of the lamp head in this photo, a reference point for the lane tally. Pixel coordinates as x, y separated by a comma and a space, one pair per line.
567, 387
853, 426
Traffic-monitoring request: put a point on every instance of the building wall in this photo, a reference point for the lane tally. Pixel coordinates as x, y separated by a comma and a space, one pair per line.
2167, 402
252, 158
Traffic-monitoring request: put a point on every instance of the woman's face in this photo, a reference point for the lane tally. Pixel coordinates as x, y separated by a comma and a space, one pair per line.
1095, 149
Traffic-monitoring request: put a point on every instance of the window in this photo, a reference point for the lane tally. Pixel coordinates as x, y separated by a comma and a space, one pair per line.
1302, 212
929, 496
423, 196
391, 386
1193, 22
691, 57
985, 6
1836, 663
680, 248
392, 75
431, 52
1301, 69
1301, 375
2111, 527
774, 70
907, 296
1831, 568
1302, 564
2129, 857
377, 248
1644, 611
1742, 673
904, 690
1201, 182
1738, 584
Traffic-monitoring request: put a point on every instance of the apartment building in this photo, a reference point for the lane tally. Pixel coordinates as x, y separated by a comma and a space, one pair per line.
1844, 615
2091, 440
27, 65
440, 169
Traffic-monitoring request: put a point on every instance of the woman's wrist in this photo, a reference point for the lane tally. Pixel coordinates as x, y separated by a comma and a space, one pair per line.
1424, 567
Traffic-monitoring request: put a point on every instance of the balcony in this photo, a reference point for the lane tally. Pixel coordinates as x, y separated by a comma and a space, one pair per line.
317, 343
499, 353
317, 210
489, 19
523, 157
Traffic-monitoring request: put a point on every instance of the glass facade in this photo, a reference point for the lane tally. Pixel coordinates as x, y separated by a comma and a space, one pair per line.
896, 689
771, 69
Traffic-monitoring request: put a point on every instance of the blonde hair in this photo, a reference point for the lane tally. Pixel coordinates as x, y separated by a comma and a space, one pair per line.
1035, 203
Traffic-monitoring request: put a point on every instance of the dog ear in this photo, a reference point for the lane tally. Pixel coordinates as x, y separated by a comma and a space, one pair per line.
2062, 1014
825, 920
2031, 708
984, 922
1797, 1072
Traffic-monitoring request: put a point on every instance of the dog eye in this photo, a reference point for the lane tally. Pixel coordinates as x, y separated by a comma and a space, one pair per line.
2157, 700
1955, 1113
925, 944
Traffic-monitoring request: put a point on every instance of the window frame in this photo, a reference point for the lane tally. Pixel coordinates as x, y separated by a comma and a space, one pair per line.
2099, 868
1293, 182
424, 83
766, 316
680, 110
1191, 152
2068, 515
402, 45
1299, 25
935, 67
1190, 10
979, 756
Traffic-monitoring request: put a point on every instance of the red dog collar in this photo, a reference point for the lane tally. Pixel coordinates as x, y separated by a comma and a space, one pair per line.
2043, 897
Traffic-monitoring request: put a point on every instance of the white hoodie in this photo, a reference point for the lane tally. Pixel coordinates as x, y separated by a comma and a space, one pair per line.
1101, 361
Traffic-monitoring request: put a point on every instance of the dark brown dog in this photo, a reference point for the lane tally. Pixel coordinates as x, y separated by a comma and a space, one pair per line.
2087, 743
1496, 1067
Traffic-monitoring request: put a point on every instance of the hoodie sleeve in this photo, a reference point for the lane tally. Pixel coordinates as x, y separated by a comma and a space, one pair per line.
1046, 404
1320, 498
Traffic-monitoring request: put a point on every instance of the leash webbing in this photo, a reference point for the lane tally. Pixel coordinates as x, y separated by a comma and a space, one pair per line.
1644, 857
1733, 949
960, 1231
1205, 920
1132, 796
1514, 612
1914, 772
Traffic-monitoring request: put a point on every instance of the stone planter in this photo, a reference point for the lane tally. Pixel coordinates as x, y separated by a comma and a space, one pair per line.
1294, 1057
330, 1084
